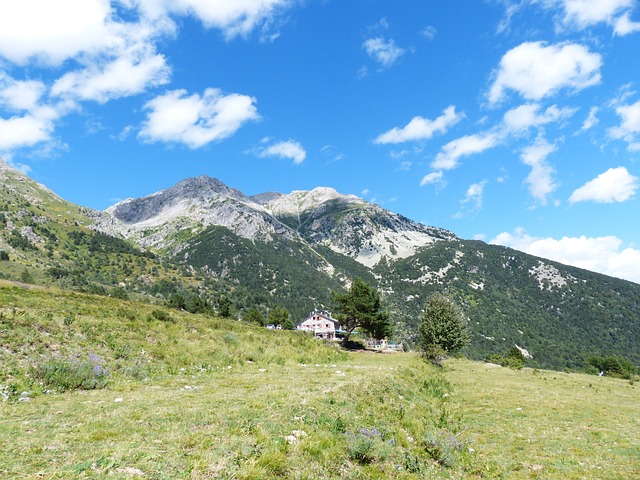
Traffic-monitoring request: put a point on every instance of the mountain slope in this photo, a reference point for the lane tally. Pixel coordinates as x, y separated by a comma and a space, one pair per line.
205, 240
191, 206
351, 226
560, 315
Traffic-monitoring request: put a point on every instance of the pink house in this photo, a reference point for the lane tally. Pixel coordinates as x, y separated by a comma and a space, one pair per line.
321, 324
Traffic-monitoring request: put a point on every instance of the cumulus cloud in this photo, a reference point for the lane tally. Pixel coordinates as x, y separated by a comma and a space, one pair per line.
614, 185
20, 95
536, 70
586, 13
436, 178
606, 255
524, 117
591, 120
420, 128
624, 25
233, 18
108, 49
196, 120
541, 181
629, 128
33, 121
51, 32
383, 51
24, 131
289, 149
451, 153
130, 74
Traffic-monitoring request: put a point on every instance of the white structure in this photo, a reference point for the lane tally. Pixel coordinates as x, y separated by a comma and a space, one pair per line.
321, 324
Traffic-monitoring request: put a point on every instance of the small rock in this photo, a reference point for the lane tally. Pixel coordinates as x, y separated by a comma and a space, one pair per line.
118, 400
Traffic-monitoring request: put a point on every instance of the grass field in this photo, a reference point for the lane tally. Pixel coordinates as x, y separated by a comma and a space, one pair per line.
196, 397
546, 424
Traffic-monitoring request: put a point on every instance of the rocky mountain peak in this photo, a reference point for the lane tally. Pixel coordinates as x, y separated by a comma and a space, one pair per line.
300, 201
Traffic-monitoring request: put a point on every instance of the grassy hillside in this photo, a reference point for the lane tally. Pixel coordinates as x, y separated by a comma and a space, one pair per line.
177, 395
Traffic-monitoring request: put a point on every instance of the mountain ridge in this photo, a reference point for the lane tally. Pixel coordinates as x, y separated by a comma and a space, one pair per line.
206, 242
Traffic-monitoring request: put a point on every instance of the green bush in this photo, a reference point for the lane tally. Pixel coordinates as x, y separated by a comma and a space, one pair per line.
72, 373
612, 366
161, 315
513, 358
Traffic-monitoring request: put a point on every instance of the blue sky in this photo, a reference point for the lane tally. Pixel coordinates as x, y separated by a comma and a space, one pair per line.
514, 122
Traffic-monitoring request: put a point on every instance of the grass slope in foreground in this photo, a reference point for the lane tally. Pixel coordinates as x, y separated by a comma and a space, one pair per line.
189, 396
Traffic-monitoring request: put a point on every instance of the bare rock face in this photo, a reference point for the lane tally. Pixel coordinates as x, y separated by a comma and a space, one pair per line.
345, 223
192, 204
351, 226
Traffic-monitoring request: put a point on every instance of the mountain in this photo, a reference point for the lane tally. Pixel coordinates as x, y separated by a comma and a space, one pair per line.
350, 226
45, 239
204, 242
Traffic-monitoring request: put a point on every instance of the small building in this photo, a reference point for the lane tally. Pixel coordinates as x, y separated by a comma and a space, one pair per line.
321, 324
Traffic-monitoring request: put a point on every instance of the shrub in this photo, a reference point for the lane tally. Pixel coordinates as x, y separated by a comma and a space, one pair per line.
513, 358
72, 373
612, 366
161, 315
367, 446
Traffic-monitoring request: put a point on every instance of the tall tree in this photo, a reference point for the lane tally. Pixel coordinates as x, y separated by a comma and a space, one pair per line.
443, 328
280, 316
360, 308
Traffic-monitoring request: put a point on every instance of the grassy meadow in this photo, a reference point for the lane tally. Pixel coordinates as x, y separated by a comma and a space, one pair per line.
173, 395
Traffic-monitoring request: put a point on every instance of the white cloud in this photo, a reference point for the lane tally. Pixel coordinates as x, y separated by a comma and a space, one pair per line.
383, 51
591, 120
451, 153
605, 255
429, 32
51, 32
585, 13
233, 18
436, 178
289, 149
526, 116
20, 95
629, 128
127, 75
614, 185
420, 128
536, 70
196, 120
24, 131
624, 25
472, 201
540, 180
34, 121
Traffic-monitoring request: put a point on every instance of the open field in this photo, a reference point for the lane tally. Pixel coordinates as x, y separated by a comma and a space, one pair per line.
546, 424
190, 396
